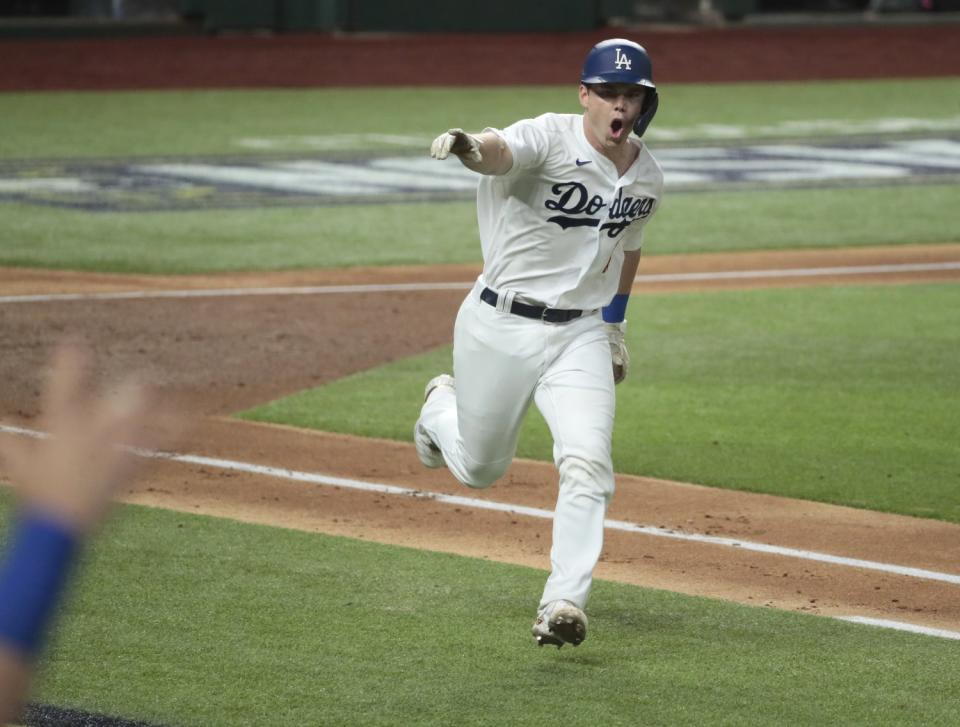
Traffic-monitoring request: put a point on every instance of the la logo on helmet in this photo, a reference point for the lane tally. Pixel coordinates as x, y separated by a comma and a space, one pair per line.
622, 61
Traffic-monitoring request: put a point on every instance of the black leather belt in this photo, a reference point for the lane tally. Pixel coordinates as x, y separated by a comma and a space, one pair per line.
550, 315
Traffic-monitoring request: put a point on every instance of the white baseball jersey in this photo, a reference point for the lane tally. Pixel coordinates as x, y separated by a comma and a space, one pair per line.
555, 227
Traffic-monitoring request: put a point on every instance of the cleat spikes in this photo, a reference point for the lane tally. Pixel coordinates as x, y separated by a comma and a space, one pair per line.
558, 623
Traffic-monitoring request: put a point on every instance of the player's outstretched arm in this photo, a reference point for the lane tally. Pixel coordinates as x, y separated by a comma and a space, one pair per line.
64, 483
485, 153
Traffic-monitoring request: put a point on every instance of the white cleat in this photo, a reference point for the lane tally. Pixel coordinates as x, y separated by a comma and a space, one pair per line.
427, 450
437, 381
560, 622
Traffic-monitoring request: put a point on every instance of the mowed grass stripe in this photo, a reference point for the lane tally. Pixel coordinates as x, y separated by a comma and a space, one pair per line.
185, 619
76, 125
847, 395
216, 240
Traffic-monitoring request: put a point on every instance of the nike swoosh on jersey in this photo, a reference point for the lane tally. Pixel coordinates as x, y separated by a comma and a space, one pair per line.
580, 163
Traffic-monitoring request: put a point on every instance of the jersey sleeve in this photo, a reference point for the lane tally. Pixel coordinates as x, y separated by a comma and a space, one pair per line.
634, 239
634, 234
528, 141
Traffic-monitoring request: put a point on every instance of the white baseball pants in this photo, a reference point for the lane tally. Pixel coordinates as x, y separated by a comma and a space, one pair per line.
502, 362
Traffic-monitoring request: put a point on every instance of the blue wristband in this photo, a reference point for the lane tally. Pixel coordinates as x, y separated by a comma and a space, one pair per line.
32, 577
617, 310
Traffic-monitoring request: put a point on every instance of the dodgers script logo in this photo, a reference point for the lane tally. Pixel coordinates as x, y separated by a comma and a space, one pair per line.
573, 198
622, 61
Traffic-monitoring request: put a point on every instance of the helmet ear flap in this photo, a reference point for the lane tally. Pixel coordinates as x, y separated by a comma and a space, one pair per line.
650, 105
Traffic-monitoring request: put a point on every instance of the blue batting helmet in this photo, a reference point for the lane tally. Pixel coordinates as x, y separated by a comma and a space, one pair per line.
622, 61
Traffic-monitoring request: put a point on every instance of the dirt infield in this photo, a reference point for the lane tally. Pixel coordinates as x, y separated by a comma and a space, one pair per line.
219, 355
290, 61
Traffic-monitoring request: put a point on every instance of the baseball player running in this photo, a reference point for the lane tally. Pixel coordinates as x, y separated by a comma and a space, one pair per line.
561, 206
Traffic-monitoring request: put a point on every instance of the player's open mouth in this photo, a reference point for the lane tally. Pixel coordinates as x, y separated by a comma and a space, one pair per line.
616, 127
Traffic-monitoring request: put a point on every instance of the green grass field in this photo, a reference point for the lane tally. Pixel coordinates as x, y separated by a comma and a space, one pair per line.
843, 394
137, 124
147, 123
183, 619
849, 395
433, 233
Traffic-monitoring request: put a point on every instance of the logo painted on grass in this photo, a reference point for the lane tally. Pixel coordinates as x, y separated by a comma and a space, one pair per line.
802, 128
191, 183
177, 184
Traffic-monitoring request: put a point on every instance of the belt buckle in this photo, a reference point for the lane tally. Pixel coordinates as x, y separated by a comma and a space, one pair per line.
543, 315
